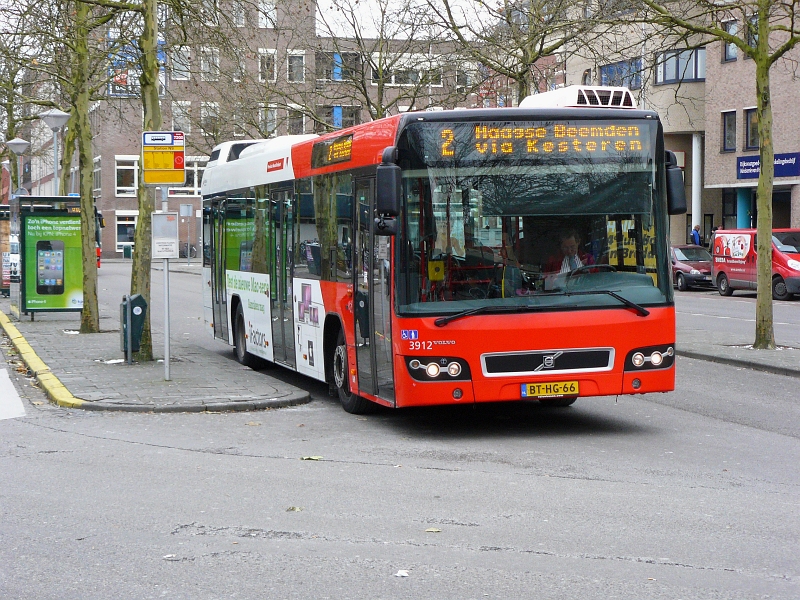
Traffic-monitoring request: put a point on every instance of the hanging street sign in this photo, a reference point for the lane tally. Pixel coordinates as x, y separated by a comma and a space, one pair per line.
163, 157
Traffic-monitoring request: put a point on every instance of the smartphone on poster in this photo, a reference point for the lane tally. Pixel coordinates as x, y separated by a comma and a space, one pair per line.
50, 267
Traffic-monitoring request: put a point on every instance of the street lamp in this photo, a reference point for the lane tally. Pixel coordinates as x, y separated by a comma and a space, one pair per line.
55, 119
18, 147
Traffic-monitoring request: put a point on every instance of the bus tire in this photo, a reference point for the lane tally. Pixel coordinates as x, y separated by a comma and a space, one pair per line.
352, 403
723, 285
558, 402
239, 342
779, 291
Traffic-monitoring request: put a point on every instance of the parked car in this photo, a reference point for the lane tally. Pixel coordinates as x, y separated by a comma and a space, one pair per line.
734, 266
691, 267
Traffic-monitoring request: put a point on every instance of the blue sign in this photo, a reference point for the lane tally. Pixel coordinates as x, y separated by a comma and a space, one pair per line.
786, 165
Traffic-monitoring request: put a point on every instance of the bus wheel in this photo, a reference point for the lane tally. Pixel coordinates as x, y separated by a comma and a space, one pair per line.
239, 345
558, 401
352, 403
779, 291
723, 286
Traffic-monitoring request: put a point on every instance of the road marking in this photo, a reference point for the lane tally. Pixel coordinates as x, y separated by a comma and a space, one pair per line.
705, 316
11, 406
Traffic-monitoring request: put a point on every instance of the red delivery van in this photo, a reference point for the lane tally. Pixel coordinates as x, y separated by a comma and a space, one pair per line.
734, 265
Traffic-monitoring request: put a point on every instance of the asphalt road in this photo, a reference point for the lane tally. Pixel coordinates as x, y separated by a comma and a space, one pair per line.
691, 494
708, 311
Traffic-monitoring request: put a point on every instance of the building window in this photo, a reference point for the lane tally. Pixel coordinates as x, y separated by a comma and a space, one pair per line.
268, 121
97, 181
681, 65
337, 117
182, 116
126, 229
239, 66
237, 121
208, 11
586, 79
127, 175
297, 122
729, 208
625, 73
750, 129
267, 14
729, 131
266, 65
209, 64
194, 166
296, 67
337, 66
752, 31
181, 63
238, 13
729, 49
209, 117
462, 80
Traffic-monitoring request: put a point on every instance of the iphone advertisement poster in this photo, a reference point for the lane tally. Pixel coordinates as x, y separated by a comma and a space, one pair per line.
53, 267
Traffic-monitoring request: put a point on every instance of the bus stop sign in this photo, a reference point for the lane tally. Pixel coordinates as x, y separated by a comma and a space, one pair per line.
163, 157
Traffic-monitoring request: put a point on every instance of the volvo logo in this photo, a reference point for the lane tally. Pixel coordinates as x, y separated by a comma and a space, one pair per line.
548, 361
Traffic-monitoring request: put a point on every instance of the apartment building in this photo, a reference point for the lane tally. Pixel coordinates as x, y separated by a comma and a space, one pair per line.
255, 71
732, 144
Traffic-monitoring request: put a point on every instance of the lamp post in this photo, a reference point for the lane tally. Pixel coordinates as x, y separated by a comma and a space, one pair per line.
18, 147
55, 119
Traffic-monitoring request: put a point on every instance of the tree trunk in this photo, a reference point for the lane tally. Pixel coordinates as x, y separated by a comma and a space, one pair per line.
140, 272
765, 337
80, 129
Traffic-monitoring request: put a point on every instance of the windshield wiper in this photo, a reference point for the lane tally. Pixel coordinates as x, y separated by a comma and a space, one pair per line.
442, 321
638, 308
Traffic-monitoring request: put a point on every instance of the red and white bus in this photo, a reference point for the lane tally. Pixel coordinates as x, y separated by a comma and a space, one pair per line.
452, 257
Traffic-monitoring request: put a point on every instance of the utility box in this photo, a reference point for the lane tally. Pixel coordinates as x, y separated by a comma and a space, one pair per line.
127, 251
138, 312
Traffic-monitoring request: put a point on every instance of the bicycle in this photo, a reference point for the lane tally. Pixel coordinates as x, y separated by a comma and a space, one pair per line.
192, 251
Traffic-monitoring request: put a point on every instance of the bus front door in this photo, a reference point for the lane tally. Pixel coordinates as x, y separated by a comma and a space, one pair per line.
281, 271
372, 306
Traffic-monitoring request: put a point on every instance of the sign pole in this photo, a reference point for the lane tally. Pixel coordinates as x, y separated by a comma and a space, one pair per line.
166, 319
165, 208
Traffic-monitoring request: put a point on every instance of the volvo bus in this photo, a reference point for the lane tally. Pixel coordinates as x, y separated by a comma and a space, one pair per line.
452, 257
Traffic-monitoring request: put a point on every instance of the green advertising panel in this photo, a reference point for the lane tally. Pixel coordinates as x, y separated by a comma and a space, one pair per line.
53, 268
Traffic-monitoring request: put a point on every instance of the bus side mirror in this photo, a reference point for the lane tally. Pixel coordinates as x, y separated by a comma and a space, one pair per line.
388, 184
676, 193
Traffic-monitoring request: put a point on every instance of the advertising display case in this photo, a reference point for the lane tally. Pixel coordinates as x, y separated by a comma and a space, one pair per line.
51, 265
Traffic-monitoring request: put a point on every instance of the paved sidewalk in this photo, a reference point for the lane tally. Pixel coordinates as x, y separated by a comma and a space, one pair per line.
86, 371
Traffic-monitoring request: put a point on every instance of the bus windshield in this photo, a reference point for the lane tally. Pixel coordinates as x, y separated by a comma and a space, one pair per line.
550, 215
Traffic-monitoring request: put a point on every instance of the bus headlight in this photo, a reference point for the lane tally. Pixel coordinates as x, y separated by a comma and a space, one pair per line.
652, 357
438, 368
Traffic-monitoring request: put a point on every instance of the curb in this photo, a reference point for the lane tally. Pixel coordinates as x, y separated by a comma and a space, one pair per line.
53, 388
736, 362
61, 396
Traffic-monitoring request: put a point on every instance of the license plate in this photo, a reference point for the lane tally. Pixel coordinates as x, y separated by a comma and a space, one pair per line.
550, 390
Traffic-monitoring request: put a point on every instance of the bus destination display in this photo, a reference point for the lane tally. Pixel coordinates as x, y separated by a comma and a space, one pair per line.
474, 141
331, 152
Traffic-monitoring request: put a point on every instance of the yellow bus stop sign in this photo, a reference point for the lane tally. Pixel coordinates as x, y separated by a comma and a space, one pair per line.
163, 157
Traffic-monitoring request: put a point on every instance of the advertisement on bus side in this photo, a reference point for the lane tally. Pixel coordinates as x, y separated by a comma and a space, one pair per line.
253, 290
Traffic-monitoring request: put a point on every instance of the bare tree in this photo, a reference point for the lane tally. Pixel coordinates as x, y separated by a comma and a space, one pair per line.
770, 30
513, 38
